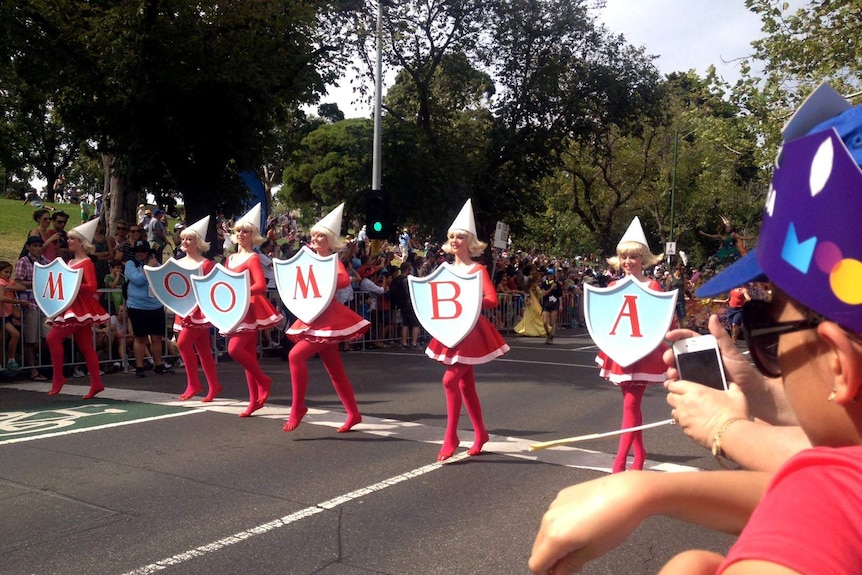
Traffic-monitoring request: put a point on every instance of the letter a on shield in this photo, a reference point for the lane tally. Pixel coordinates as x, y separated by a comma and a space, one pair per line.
628, 319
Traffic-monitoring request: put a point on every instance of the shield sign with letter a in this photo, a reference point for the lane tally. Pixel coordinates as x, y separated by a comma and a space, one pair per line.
171, 283
223, 296
55, 286
629, 319
306, 282
447, 302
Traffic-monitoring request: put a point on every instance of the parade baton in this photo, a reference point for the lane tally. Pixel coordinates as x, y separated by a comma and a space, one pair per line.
556, 442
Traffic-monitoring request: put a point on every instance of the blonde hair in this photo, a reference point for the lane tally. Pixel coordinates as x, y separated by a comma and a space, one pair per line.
85, 243
474, 245
625, 248
200, 242
335, 242
257, 239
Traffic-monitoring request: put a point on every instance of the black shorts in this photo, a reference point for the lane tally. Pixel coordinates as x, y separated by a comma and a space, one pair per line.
408, 317
147, 322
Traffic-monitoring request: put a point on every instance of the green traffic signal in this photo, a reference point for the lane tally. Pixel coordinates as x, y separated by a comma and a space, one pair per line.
377, 226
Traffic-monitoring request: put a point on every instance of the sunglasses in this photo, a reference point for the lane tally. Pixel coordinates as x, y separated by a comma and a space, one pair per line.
134, 231
121, 228
762, 333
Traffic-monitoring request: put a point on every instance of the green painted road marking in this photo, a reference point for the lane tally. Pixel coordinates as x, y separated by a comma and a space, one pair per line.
65, 417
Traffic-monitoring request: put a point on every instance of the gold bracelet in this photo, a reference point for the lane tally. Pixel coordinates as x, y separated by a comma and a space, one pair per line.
716, 441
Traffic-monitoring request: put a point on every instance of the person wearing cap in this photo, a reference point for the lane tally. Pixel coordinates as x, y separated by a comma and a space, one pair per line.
33, 327
146, 313
633, 256
193, 339
805, 517
337, 323
78, 319
261, 315
482, 345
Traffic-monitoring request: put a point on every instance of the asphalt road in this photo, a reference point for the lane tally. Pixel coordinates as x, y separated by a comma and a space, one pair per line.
137, 482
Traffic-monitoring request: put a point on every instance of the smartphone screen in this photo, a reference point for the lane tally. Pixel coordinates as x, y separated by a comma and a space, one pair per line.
701, 367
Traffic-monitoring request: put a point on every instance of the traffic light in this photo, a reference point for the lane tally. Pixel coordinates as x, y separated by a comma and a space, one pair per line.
377, 218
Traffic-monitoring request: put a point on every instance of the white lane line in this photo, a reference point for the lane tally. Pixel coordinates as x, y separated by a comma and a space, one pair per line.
288, 519
93, 427
519, 447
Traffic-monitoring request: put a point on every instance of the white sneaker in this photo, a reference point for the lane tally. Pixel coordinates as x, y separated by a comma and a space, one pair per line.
77, 372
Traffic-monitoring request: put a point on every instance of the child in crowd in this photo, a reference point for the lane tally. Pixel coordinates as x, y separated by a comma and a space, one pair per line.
115, 280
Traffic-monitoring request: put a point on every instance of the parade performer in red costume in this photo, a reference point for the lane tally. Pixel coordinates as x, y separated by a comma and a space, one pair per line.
633, 255
336, 324
481, 345
78, 319
193, 340
242, 340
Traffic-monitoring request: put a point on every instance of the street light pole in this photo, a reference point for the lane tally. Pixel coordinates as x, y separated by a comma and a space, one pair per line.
673, 182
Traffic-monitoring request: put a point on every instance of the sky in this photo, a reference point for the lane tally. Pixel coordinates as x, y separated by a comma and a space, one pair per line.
684, 34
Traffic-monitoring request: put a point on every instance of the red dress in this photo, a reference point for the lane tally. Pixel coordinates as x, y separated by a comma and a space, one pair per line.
261, 314
86, 309
337, 322
483, 344
649, 369
196, 318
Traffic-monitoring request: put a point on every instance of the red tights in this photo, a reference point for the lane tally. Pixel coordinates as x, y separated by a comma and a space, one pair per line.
458, 383
194, 343
632, 417
83, 334
242, 347
299, 356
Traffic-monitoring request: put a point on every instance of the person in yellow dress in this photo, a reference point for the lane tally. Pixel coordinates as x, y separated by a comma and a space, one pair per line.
531, 324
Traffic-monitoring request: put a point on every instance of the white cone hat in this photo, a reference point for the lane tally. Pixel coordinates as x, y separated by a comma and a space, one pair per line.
332, 220
251, 217
465, 220
635, 233
87, 229
200, 227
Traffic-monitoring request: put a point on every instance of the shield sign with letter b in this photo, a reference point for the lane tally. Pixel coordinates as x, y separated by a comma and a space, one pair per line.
447, 302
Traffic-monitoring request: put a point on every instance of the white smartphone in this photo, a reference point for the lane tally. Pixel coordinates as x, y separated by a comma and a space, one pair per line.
698, 360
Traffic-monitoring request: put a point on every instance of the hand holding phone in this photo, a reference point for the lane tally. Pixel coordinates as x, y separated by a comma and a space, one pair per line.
698, 360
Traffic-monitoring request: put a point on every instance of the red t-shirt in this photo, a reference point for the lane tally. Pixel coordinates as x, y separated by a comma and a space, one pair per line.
810, 518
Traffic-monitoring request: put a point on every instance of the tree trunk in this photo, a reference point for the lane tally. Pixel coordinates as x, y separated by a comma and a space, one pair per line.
119, 202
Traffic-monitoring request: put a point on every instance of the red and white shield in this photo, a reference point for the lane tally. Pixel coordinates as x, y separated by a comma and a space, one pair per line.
171, 283
55, 286
628, 320
447, 302
223, 296
306, 282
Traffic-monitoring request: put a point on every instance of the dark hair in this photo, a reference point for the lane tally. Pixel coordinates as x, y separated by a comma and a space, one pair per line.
37, 215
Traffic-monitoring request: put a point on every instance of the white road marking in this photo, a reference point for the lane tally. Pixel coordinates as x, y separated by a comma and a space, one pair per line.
519, 447
288, 519
408, 431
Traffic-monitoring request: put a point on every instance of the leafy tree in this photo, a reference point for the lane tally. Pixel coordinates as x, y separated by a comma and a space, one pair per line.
331, 165
181, 95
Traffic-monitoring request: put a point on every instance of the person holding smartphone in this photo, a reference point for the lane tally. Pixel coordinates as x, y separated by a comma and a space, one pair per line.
809, 337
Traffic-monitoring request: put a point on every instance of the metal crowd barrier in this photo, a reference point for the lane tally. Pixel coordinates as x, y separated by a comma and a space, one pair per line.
385, 329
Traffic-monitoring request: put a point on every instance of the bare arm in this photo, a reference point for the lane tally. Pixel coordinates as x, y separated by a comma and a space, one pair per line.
588, 520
